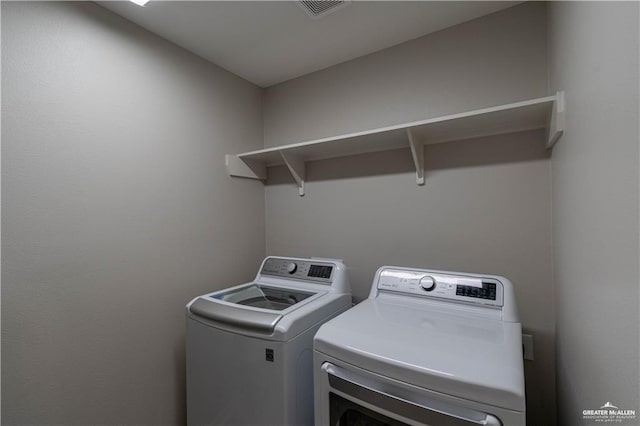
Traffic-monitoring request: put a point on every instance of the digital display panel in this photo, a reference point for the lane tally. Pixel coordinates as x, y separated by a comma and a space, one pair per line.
320, 271
488, 291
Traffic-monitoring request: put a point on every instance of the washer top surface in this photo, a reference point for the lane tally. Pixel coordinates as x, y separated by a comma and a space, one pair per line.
287, 296
441, 345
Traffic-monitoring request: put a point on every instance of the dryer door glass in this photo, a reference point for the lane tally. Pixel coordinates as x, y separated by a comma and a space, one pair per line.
347, 413
260, 296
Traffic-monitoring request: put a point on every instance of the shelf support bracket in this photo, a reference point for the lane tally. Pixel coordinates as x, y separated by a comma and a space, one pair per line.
237, 166
417, 152
296, 167
556, 123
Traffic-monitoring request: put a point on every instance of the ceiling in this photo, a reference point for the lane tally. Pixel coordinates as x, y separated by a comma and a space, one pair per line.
268, 42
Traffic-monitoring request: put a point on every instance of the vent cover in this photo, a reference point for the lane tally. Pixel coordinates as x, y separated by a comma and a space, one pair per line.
320, 8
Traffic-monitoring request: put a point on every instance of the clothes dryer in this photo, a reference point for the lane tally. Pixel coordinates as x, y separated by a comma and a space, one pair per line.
426, 348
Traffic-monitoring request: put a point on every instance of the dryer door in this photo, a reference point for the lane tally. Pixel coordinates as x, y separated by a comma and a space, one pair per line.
355, 400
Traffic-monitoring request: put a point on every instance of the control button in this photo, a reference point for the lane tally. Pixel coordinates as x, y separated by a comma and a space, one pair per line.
292, 267
427, 283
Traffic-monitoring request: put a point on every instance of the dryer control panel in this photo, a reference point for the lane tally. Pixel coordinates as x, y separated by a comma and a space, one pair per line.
299, 269
476, 290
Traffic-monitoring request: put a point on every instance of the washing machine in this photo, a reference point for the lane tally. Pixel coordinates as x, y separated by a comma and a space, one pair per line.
426, 348
250, 347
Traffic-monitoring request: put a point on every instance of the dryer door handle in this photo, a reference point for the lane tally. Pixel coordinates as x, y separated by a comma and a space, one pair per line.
394, 399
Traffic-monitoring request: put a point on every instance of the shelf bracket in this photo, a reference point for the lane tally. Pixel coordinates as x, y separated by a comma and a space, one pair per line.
417, 152
240, 167
556, 123
296, 167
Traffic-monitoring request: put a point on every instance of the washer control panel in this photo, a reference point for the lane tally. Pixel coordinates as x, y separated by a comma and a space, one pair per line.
309, 270
462, 288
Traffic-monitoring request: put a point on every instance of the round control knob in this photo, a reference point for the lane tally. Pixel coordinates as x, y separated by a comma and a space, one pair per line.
292, 267
427, 283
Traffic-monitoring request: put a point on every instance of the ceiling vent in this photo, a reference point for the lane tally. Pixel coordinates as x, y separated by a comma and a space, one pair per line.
320, 8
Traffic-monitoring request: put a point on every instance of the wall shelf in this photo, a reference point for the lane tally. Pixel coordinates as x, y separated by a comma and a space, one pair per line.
541, 113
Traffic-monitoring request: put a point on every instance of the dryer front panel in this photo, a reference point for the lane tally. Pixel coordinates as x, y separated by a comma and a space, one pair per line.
347, 395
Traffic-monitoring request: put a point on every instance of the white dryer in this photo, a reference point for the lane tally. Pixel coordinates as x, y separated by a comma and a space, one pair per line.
250, 347
426, 348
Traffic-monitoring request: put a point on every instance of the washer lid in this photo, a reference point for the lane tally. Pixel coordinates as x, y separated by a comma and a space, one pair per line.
265, 297
257, 321
472, 358
251, 307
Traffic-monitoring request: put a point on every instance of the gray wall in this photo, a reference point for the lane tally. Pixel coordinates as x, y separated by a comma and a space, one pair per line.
593, 50
486, 204
116, 210
489, 61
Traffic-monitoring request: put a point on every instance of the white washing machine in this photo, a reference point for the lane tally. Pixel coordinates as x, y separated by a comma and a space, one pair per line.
250, 347
426, 348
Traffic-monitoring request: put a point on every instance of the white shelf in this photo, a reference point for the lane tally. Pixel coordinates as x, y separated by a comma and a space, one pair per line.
542, 113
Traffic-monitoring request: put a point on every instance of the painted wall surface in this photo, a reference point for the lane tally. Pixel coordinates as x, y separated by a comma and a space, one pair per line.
493, 60
116, 209
593, 51
486, 204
